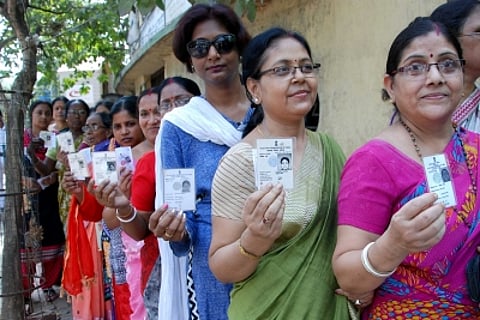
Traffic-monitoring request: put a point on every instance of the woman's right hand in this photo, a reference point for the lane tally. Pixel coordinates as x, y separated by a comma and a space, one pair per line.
62, 157
34, 145
108, 194
125, 181
418, 225
72, 185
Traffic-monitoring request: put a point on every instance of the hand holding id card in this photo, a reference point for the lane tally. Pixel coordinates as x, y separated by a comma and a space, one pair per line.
80, 164
179, 188
439, 179
104, 166
274, 162
124, 158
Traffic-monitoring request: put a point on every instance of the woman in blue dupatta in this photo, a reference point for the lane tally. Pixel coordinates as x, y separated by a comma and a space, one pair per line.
276, 244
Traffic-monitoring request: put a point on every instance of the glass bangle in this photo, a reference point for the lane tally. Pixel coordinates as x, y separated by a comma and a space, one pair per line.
128, 220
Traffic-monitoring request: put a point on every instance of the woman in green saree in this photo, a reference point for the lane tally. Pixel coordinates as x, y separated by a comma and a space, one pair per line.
275, 243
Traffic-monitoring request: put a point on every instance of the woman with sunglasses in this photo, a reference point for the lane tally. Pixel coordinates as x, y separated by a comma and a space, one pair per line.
208, 39
463, 20
404, 232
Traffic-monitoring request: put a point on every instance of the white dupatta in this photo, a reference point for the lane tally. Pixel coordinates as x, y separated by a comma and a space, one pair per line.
201, 120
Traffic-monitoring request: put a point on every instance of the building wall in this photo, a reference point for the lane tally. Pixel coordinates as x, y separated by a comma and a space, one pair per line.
350, 38
94, 86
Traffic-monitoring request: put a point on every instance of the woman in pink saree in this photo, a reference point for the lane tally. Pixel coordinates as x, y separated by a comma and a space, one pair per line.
407, 240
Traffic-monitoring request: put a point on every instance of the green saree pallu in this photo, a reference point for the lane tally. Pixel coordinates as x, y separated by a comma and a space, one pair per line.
295, 280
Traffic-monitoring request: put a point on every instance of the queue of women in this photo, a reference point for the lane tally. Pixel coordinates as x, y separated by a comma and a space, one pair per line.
379, 235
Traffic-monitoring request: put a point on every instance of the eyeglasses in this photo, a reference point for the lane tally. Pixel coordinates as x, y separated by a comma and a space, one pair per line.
309, 70
94, 127
80, 113
167, 105
199, 48
420, 69
475, 34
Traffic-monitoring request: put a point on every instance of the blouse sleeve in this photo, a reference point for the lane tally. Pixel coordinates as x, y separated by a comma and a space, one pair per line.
143, 183
367, 192
234, 181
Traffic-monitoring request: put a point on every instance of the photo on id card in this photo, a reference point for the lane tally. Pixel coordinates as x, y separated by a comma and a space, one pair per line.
274, 162
79, 163
65, 141
104, 166
48, 139
439, 179
179, 188
124, 158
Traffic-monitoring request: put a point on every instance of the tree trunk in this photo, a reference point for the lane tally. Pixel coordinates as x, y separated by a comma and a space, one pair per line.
12, 307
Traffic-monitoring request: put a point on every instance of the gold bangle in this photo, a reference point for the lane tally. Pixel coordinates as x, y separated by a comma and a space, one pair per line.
246, 253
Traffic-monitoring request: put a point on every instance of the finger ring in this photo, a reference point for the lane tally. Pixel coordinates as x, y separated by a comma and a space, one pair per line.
167, 235
358, 302
265, 220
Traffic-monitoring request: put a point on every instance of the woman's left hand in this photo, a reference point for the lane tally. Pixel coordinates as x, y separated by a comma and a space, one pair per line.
263, 212
168, 224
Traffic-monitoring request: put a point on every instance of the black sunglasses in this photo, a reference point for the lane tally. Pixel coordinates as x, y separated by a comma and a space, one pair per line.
199, 48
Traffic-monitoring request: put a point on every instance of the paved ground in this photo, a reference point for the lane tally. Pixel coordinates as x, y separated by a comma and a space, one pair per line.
56, 310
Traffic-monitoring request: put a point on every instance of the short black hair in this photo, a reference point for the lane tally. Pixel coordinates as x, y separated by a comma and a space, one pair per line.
202, 12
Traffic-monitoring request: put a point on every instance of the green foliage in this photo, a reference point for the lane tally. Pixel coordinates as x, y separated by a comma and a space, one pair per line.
69, 33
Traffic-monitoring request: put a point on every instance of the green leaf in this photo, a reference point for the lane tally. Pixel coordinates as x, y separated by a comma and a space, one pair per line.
160, 4
239, 7
102, 77
251, 10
